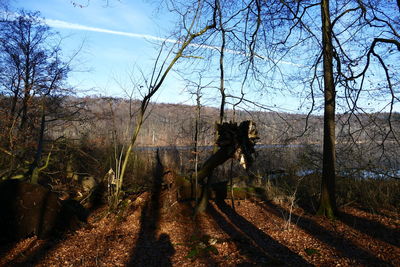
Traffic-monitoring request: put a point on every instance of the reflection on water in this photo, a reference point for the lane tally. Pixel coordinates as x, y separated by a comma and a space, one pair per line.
280, 172
372, 174
259, 146
355, 173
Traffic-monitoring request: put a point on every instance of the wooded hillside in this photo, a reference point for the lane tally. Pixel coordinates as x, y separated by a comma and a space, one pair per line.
173, 124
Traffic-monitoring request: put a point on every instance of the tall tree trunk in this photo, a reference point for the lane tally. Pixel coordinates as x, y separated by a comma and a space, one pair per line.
205, 193
327, 205
196, 141
33, 172
24, 108
14, 103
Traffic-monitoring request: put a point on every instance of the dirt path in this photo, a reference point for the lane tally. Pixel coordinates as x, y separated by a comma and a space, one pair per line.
256, 234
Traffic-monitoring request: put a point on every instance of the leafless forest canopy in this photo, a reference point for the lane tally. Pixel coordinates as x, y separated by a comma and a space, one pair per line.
363, 140
99, 118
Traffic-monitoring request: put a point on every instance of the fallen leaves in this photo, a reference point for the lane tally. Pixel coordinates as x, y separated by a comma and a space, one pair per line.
253, 235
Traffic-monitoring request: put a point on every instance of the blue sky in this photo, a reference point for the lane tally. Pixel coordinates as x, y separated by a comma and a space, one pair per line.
122, 37
115, 39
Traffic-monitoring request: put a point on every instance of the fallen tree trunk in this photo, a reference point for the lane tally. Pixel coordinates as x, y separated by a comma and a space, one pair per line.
31, 209
234, 141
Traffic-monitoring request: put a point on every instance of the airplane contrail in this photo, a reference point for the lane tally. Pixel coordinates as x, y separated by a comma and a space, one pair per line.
68, 25
74, 26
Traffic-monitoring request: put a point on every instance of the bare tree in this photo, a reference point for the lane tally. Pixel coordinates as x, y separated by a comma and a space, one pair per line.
4, 8
332, 45
161, 70
33, 76
328, 201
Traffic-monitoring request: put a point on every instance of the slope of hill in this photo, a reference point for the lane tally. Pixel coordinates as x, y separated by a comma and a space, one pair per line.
173, 124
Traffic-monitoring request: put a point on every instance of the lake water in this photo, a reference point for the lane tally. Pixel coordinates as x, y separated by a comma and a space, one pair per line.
355, 173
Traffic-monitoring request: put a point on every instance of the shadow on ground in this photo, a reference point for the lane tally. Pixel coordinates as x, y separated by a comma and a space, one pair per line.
258, 247
344, 246
150, 249
372, 228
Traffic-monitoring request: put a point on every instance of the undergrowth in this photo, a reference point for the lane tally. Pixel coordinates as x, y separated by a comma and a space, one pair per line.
371, 194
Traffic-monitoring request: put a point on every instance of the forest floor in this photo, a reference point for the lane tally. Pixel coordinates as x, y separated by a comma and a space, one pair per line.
257, 233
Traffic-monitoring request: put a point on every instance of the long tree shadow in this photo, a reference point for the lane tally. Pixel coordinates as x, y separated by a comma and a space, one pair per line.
345, 247
379, 212
197, 240
372, 228
150, 250
260, 248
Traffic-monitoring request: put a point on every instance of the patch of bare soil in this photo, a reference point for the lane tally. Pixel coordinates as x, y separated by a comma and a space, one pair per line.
150, 232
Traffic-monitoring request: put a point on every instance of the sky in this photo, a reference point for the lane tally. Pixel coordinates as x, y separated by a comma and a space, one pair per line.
113, 40
119, 38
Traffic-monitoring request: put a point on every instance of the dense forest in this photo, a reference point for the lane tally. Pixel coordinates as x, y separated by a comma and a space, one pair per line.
173, 124
106, 121
127, 181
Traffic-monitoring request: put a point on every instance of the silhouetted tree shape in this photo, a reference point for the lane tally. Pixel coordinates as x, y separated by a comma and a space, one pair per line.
233, 141
32, 77
150, 250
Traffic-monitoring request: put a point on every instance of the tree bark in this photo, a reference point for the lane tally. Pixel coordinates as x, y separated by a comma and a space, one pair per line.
33, 172
214, 161
327, 205
196, 141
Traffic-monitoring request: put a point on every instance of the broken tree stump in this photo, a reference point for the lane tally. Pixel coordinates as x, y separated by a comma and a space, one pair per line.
233, 141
